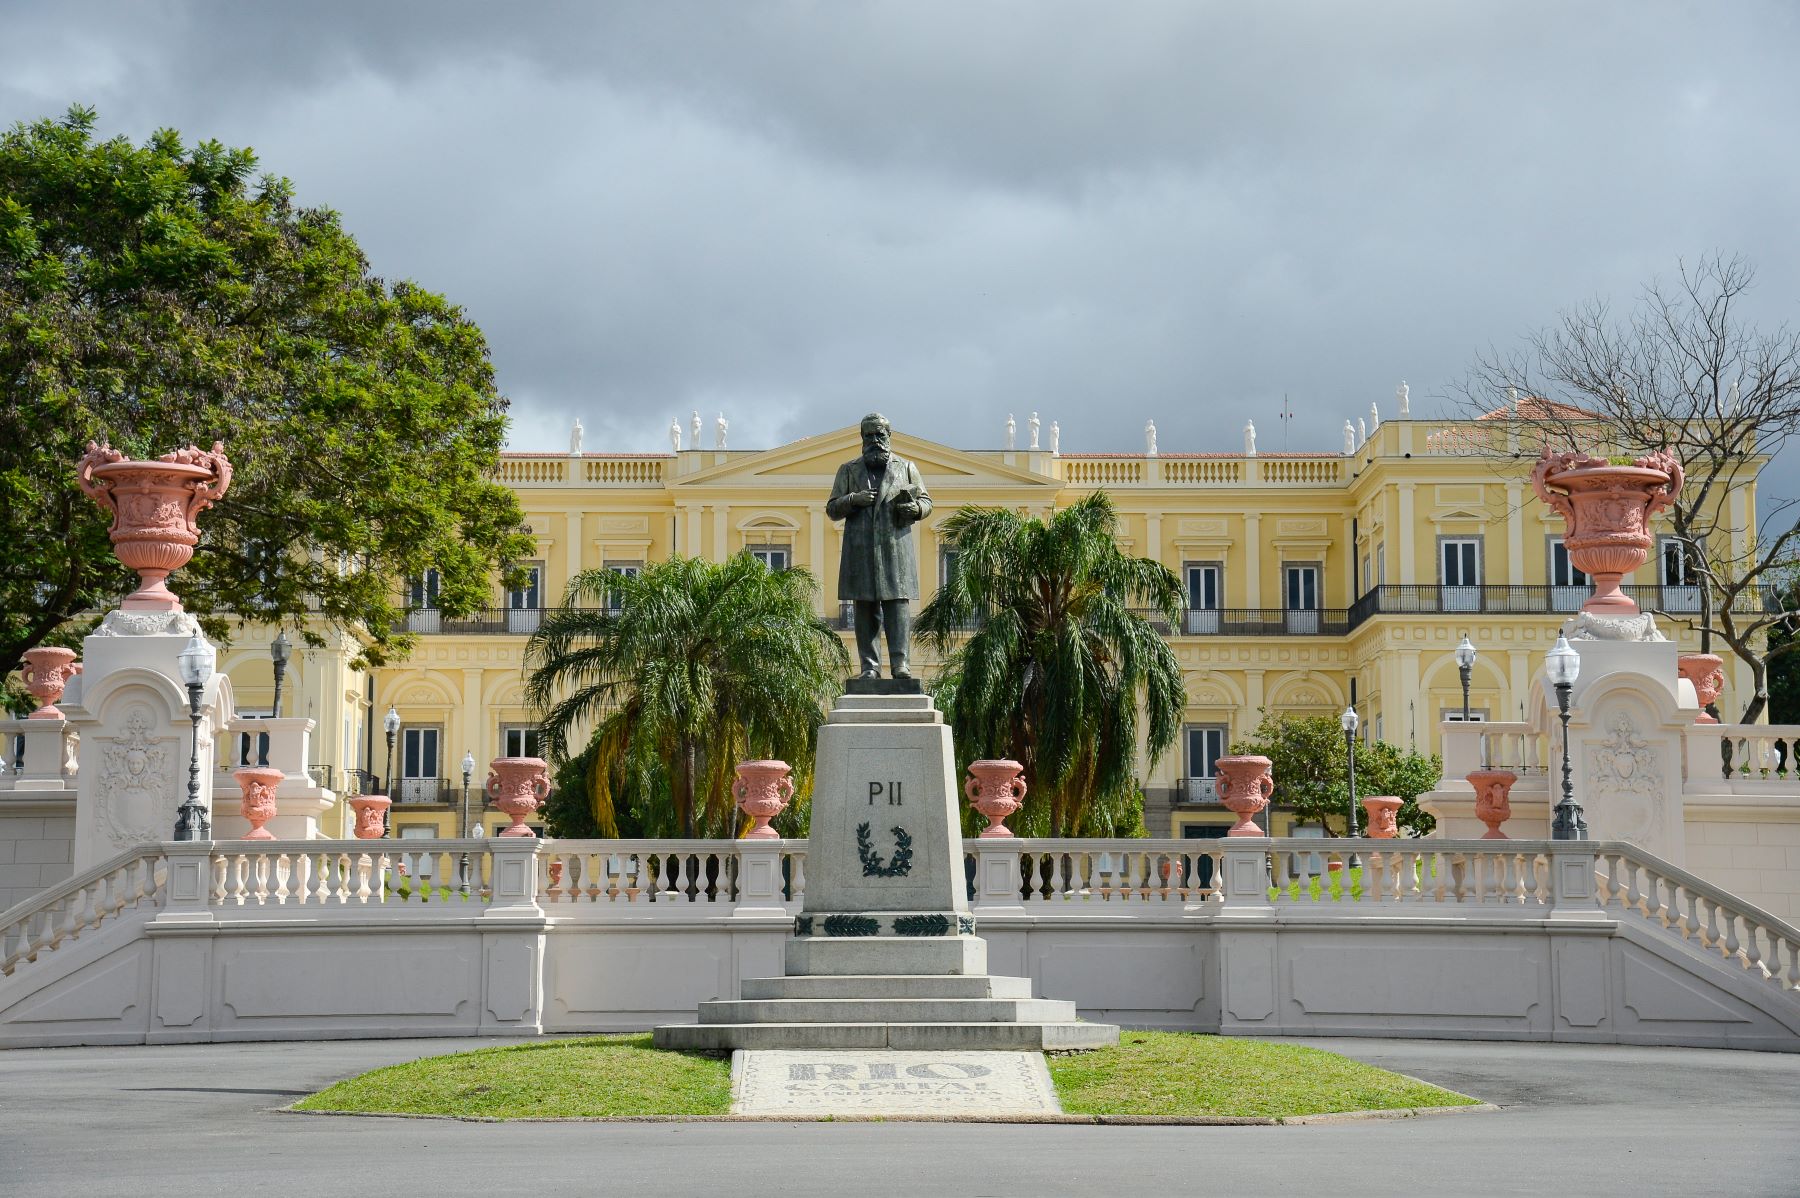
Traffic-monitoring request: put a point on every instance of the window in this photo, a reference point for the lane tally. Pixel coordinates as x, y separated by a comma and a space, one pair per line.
1680, 576
422, 592
1205, 585
530, 595
1459, 573
774, 557
519, 740
1568, 585
525, 604
1205, 745
1368, 575
419, 772
615, 602
1381, 565
1301, 594
949, 561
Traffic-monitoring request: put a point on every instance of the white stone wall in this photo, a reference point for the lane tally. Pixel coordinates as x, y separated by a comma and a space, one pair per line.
1755, 855
36, 838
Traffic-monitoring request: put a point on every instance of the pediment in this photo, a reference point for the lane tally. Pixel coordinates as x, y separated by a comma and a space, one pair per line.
814, 461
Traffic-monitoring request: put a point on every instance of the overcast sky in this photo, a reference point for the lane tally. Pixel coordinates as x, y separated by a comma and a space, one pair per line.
1107, 213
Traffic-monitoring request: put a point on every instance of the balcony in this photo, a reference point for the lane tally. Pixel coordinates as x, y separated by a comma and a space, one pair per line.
1253, 621
493, 621
1523, 600
1196, 790
418, 792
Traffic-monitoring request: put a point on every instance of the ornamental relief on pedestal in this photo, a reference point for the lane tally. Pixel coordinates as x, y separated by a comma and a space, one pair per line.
1627, 782
137, 780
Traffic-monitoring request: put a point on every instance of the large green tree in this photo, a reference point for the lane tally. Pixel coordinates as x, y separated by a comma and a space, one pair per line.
1312, 772
1060, 660
157, 294
665, 680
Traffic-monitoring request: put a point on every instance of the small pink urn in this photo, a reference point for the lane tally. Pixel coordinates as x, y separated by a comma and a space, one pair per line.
1244, 785
762, 790
258, 782
1707, 672
154, 506
1607, 512
517, 786
1493, 792
995, 788
1383, 811
369, 812
46, 671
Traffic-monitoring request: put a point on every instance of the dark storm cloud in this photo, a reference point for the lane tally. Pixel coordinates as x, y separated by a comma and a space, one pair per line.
796, 212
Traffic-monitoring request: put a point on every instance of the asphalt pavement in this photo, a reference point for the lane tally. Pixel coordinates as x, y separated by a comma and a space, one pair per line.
1582, 1120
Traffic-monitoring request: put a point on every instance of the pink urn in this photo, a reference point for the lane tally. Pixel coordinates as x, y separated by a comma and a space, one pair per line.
46, 671
995, 787
1383, 811
1493, 791
1244, 785
762, 790
258, 783
154, 506
1607, 512
1707, 672
369, 812
518, 786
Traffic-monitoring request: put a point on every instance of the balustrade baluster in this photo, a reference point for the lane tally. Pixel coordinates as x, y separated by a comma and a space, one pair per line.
1732, 945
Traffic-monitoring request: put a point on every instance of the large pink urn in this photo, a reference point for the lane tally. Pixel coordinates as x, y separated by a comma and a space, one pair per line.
1607, 510
518, 786
1493, 794
762, 790
46, 671
1383, 812
1707, 672
370, 810
1244, 785
258, 783
996, 788
154, 506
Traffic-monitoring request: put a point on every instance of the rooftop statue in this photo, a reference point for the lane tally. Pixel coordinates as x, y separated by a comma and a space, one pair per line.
879, 497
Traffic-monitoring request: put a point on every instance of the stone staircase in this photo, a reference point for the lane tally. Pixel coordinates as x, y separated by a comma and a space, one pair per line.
833, 997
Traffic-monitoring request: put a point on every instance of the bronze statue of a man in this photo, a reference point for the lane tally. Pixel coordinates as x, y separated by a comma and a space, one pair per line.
879, 497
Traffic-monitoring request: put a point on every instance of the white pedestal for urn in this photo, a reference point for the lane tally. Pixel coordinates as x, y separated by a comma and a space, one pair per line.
131, 713
300, 803
884, 953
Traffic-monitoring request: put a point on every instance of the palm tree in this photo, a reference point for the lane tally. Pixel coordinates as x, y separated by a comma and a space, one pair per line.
1058, 660
679, 673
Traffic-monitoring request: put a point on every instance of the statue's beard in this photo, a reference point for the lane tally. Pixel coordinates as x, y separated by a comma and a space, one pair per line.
875, 459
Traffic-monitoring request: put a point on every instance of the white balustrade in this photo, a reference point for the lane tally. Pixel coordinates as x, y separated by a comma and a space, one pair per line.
1746, 753
614, 872
1338, 873
63, 913
1092, 871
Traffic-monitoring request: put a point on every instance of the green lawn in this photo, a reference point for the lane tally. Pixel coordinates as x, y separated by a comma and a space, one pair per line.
1176, 1073
597, 1075
1149, 1073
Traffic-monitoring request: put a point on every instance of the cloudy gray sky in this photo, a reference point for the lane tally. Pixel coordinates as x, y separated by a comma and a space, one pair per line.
1107, 213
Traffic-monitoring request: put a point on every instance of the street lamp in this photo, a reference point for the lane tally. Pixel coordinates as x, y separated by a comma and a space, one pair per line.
468, 769
1465, 665
1348, 722
391, 723
279, 649
1563, 665
196, 662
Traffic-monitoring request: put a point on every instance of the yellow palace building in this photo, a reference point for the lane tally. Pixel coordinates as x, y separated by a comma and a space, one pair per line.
1314, 581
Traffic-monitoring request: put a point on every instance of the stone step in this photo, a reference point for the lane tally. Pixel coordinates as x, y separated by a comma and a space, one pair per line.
812, 955
865, 985
1001, 1037
889, 1010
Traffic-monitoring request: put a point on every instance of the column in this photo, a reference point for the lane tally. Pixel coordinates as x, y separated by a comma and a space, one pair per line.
721, 546
1407, 535
1153, 536
690, 538
1253, 695
577, 552
1252, 562
815, 547
1515, 534
1518, 666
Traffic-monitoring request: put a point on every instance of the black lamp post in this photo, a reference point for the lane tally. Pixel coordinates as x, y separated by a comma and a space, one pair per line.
196, 662
468, 769
1465, 665
1348, 722
1563, 665
391, 724
280, 649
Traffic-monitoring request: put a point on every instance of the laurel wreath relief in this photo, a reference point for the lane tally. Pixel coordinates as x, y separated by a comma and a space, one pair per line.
872, 867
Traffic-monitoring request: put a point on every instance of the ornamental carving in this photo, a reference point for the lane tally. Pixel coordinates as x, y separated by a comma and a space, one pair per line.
147, 623
1627, 779
137, 782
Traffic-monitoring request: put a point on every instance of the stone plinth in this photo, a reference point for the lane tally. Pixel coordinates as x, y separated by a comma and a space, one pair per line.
131, 714
885, 954
300, 802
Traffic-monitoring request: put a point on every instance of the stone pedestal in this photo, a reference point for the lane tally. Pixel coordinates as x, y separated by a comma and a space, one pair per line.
300, 802
885, 953
131, 714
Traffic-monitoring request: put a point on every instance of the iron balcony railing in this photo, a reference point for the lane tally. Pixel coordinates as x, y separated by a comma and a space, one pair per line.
413, 791
1196, 790
1527, 600
493, 621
